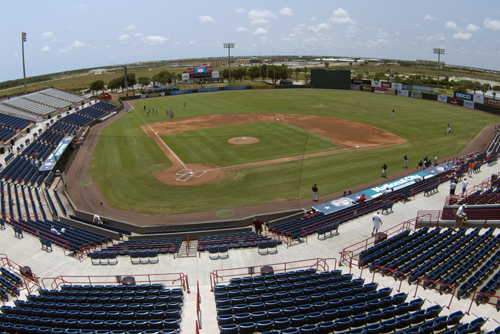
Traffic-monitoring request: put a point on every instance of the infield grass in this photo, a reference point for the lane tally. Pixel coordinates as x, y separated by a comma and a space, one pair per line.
126, 161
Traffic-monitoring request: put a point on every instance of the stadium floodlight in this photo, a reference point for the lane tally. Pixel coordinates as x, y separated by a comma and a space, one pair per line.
23, 36
439, 52
229, 46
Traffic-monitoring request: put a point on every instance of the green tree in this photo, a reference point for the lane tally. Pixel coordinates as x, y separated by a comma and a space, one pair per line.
254, 72
225, 74
297, 72
96, 86
327, 64
144, 81
496, 87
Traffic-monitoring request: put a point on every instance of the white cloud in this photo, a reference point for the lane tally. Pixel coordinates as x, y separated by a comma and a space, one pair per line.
352, 30
340, 16
382, 34
319, 27
313, 19
286, 12
15, 54
82, 6
47, 34
491, 24
108, 46
453, 25
428, 17
397, 33
471, 27
310, 40
241, 29
191, 43
383, 41
78, 44
462, 35
123, 37
45, 49
260, 31
430, 39
260, 16
130, 27
240, 10
63, 50
138, 34
153, 40
206, 19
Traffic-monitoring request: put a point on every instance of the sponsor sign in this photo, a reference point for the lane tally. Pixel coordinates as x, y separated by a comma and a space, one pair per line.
479, 98
235, 87
179, 92
215, 74
355, 87
211, 89
376, 83
367, 88
463, 96
418, 95
469, 104
406, 87
492, 102
402, 92
56, 154
397, 85
185, 76
380, 90
396, 185
453, 100
443, 98
386, 84
162, 94
443, 91
423, 89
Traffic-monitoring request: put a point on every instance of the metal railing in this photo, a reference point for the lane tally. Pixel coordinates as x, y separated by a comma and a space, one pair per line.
401, 274
30, 283
198, 308
317, 263
487, 296
438, 288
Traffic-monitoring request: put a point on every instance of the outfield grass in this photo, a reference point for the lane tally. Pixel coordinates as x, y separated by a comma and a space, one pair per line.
277, 140
126, 161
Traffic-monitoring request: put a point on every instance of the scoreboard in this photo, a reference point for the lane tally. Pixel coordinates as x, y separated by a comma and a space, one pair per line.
200, 72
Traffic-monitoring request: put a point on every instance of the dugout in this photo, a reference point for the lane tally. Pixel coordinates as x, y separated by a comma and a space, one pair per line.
323, 78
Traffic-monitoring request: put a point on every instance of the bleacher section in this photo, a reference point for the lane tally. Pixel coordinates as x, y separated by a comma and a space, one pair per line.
160, 245
231, 240
186, 230
15, 123
307, 301
105, 226
96, 308
70, 97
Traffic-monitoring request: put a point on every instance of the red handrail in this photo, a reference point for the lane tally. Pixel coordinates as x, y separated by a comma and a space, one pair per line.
318, 263
431, 287
391, 270
54, 282
482, 301
198, 308
39, 233
30, 283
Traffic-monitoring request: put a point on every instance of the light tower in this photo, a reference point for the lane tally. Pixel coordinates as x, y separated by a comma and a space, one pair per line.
24, 70
439, 52
228, 46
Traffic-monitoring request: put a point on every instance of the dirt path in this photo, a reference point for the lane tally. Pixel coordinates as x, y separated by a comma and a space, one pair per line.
89, 197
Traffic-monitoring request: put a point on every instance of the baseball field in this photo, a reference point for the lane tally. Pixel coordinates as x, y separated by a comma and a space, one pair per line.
241, 148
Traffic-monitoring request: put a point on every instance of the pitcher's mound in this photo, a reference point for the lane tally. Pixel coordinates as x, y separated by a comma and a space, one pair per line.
243, 140
193, 174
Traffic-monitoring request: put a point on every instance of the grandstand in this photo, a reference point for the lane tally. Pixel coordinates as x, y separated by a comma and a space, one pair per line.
104, 278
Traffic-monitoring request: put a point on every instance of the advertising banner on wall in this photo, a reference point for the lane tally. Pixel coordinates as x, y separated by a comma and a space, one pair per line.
444, 91
479, 98
406, 87
453, 100
397, 85
376, 83
402, 92
354, 87
423, 89
380, 90
386, 84
416, 94
215, 74
366, 88
463, 96
469, 104
443, 98
492, 102
185, 76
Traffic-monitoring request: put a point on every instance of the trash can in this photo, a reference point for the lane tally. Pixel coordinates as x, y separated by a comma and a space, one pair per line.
266, 270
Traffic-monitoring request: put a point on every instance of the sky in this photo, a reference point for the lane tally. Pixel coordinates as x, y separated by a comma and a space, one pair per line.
66, 35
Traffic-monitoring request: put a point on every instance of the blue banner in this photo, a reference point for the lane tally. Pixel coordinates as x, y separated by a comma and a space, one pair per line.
406, 87
235, 87
54, 156
211, 89
463, 96
179, 92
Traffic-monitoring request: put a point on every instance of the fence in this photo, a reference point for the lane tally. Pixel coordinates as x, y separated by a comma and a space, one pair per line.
439, 284
30, 281
485, 297
400, 275
318, 263
53, 283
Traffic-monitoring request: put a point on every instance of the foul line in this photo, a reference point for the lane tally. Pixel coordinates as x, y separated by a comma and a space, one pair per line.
173, 153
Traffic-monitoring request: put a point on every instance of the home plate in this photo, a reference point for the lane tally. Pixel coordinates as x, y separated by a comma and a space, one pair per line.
191, 173
244, 138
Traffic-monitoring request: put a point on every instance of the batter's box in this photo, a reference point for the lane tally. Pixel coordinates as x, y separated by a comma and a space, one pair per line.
184, 177
183, 172
199, 173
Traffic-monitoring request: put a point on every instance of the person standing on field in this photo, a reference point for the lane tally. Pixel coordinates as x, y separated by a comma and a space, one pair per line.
405, 162
384, 171
315, 193
393, 112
